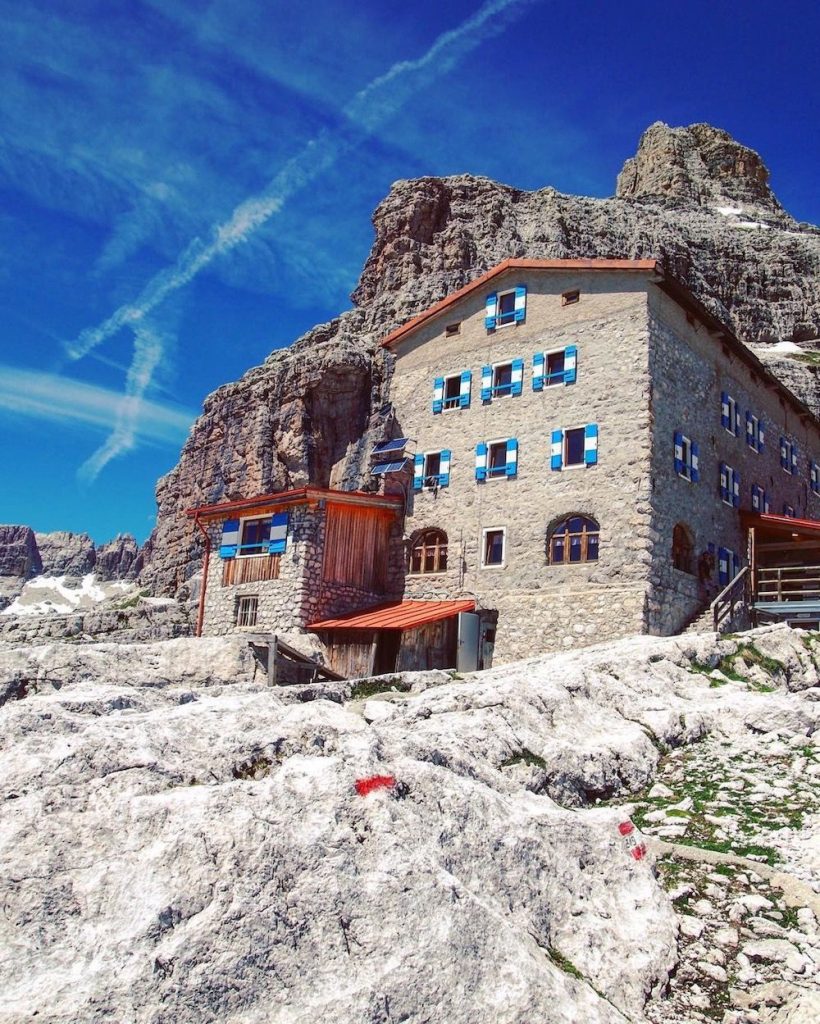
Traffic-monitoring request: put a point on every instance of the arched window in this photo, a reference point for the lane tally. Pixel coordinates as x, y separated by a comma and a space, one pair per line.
574, 540
683, 548
428, 552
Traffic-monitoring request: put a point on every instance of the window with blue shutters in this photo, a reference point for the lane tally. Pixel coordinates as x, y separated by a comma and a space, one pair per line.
686, 457
754, 432
574, 446
432, 470
729, 414
760, 502
257, 535
278, 541
502, 379
728, 566
504, 308
788, 456
814, 477
788, 510
729, 484
495, 459
452, 392
554, 368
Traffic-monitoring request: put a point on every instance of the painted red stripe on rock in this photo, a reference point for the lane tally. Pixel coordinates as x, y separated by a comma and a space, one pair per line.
365, 786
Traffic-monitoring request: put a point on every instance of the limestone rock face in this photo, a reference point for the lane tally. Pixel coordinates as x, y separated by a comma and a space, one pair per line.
199, 845
19, 556
119, 559
692, 197
66, 554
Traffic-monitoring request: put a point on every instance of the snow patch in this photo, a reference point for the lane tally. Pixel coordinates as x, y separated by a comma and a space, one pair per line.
62, 594
786, 347
729, 211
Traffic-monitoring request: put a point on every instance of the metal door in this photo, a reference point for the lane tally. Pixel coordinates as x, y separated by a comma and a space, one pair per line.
468, 633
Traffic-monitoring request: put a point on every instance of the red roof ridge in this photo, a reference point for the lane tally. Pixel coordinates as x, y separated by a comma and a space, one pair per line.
641, 266
398, 614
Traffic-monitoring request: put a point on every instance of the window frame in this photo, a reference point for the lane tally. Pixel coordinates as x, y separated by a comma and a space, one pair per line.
570, 297
245, 522
686, 451
790, 457
484, 532
565, 464
500, 472
455, 401
753, 437
585, 535
732, 478
425, 486
243, 603
495, 391
417, 545
498, 314
554, 352
734, 415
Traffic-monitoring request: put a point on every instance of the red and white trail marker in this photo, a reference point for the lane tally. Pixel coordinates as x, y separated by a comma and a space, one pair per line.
636, 850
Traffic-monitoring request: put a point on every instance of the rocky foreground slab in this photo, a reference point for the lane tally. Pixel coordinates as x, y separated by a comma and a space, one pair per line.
179, 842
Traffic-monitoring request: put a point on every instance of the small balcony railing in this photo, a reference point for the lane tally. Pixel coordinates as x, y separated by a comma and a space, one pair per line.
788, 583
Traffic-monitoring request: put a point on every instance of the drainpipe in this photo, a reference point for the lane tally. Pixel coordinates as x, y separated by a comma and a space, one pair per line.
201, 613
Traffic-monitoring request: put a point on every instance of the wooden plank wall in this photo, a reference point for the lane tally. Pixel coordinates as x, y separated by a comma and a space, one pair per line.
250, 570
356, 546
430, 646
350, 652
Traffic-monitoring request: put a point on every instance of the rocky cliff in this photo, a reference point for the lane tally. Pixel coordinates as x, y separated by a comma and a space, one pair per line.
693, 197
458, 851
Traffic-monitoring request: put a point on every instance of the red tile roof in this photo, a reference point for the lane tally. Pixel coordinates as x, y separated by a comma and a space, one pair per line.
642, 266
397, 615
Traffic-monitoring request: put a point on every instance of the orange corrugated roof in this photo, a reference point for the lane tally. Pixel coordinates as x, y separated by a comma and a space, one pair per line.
397, 615
783, 522
511, 264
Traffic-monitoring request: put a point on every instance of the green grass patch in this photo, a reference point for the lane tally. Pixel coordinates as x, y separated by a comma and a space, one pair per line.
566, 965
525, 757
365, 688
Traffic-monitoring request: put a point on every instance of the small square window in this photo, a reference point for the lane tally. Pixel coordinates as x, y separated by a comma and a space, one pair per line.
452, 392
502, 379
493, 547
432, 469
574, 447
568, 298
247, 610
452, 329
506, 308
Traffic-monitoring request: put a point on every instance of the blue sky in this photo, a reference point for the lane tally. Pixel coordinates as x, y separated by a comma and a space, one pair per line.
186, 185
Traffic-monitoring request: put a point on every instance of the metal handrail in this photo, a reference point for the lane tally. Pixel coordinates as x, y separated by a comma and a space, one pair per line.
778, 569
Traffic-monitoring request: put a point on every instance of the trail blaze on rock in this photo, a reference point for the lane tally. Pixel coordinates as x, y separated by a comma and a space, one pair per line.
365, 786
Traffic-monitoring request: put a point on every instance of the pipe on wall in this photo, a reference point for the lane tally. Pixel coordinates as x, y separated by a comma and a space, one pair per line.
201, 612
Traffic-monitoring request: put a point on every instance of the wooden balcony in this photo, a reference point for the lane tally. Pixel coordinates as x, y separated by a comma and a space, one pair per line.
251, 569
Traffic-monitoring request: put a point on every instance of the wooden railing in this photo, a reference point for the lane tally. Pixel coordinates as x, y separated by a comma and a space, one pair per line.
731, 599
255, 569
788, 583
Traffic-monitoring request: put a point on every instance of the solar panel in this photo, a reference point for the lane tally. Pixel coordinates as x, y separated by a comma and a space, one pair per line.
398, 444
388, 467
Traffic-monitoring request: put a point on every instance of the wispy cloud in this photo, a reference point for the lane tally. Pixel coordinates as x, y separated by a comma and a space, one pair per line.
64, 400
371, 106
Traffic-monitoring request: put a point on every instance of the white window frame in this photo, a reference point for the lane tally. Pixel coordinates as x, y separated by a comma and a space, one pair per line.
686, 447
575, 465
494, 529
252, 519
490, 444
789, 457
733, 415
755, 435
242, 602
554, 383
500, 394
511, 321
731, 473
444, 399
425, 486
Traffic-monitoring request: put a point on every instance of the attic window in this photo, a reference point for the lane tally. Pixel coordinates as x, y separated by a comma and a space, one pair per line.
567, 298
452, 329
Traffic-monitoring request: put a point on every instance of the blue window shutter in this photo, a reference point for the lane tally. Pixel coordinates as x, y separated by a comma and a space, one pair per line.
444, 468
230, 538
724, 482
486, 383
491, 311
723, 566
761, 435
695, 469
724, 410
678, 452
481, 461
520, 303
750, 430
557, 449
466, 385
755, 498
570, 364
512, 457
736, 425
517, 377
418, 472
735, 565
278, 533
438, 394
736, 489
794, 459
815, 479
538, 363
784, 461
591, 444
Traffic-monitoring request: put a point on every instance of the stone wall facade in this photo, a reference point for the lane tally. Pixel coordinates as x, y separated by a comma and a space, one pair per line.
541, 606
690, 369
